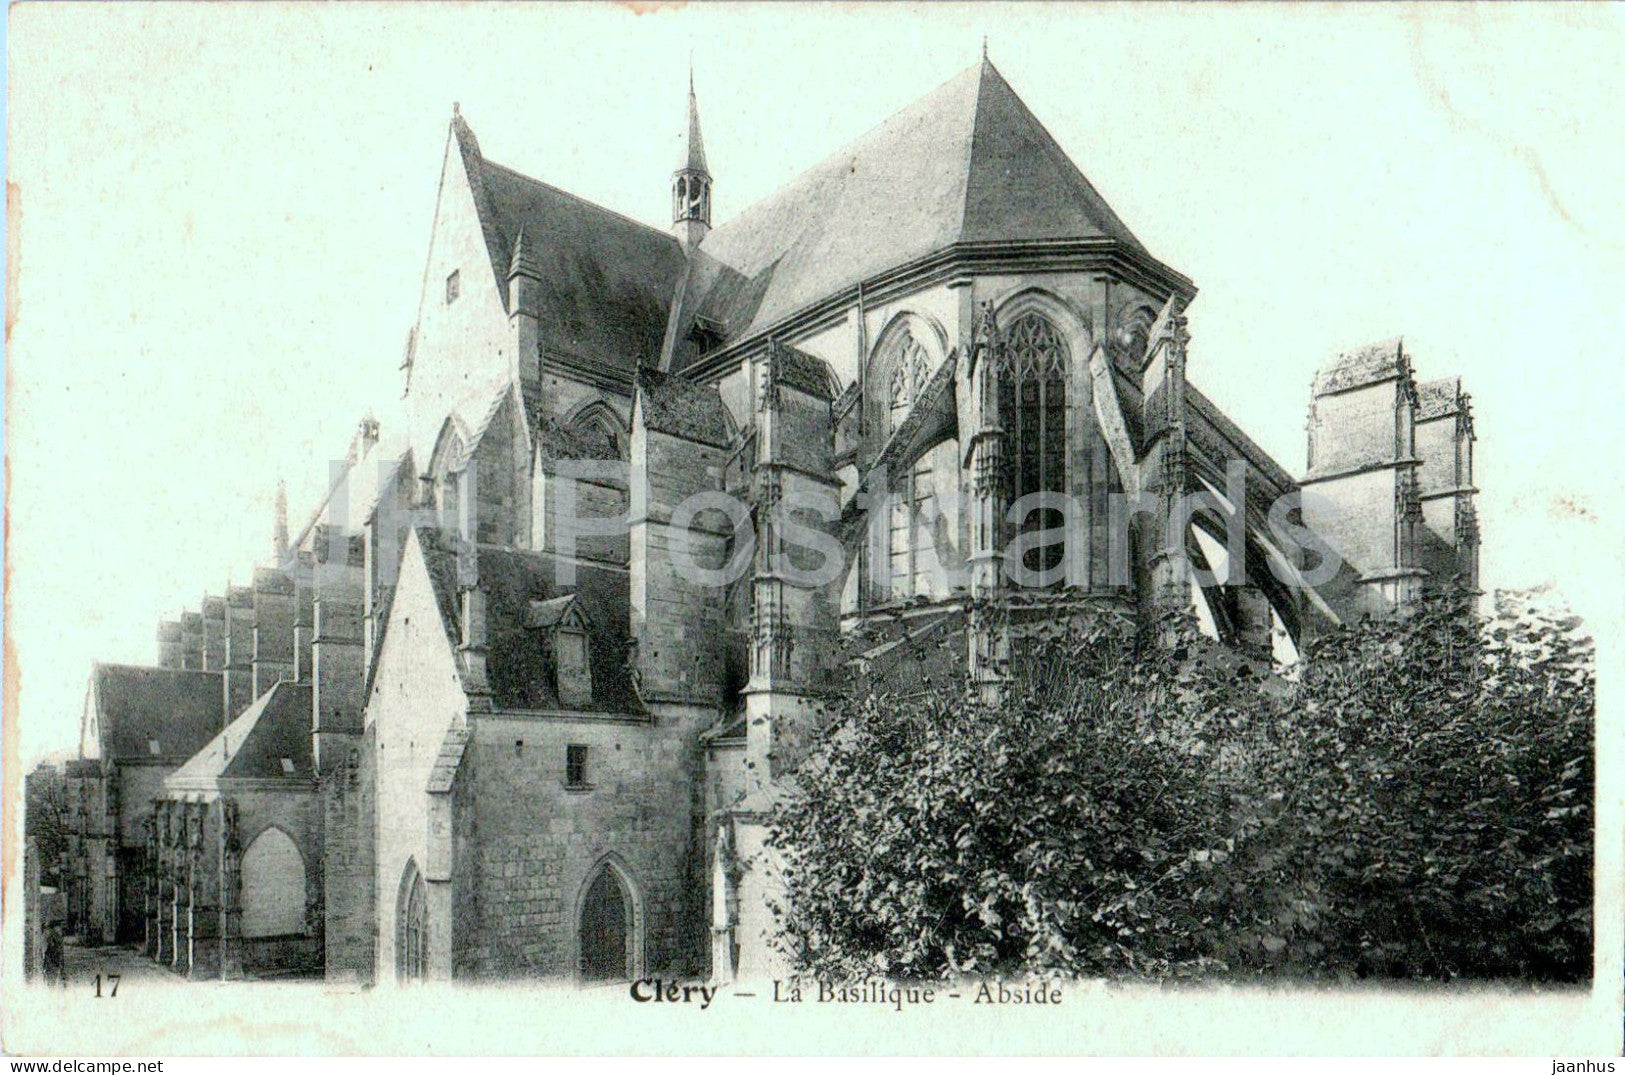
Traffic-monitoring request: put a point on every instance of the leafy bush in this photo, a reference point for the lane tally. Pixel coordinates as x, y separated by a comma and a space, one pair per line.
1418, 805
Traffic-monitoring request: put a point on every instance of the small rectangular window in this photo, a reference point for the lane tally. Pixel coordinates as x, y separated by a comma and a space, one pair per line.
452, 285
575, 765
152, 747
287, 766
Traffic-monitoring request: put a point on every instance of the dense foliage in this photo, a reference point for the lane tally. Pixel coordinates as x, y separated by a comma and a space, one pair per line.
45, 807
1418, 804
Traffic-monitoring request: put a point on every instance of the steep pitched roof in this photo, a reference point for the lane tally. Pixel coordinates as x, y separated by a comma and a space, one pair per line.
606, 281
518, 665
966, 163
136, 707
275, 727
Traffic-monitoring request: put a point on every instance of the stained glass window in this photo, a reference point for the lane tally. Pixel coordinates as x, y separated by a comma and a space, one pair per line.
908, 544
1032, 409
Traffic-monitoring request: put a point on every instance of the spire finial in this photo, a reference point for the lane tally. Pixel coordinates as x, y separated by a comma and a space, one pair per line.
984, 48
694, 148
456, 108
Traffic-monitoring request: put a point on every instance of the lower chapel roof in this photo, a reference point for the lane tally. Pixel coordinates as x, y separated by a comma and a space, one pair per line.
149, 713
270, 741
519, 663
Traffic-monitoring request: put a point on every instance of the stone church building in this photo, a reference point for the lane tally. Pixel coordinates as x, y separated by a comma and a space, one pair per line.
485, 716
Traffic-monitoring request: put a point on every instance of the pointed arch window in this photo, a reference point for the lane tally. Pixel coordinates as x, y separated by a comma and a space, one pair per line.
907, 542
598, 432
1032, 408
412, 950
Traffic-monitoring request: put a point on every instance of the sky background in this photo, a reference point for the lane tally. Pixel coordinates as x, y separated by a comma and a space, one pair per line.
220, 215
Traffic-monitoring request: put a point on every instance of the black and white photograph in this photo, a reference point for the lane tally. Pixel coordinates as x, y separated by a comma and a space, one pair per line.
1028, 528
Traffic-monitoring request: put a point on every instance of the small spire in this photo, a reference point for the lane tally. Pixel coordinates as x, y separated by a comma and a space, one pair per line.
694, 149
984, 48
280, 534
691, 183
457, 108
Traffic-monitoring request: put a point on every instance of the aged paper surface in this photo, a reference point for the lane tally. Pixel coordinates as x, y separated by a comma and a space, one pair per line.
954, 529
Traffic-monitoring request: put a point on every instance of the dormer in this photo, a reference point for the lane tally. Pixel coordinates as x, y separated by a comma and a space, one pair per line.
566, 640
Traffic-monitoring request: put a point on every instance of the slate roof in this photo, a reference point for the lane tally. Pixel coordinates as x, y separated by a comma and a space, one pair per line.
518, 665
1365, 365
800, 370
252, 747
555, 441
966, 163
684, 408
136, 705
606, 280
1438, 398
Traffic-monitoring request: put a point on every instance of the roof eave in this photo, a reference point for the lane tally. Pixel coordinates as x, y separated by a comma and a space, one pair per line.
959, 259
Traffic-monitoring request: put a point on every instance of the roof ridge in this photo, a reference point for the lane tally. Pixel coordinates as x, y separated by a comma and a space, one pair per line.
589, 203
785, 188
970, 143
1100, 212
101, 665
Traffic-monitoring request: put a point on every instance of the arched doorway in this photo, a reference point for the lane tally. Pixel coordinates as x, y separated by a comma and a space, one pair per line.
606, 927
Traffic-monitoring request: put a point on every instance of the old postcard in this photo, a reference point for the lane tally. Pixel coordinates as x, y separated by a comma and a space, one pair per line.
1019, 529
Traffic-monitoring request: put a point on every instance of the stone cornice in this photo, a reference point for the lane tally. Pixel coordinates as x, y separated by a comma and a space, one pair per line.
587, 371
1127, 263
1398, 463
1452, 491
566, 716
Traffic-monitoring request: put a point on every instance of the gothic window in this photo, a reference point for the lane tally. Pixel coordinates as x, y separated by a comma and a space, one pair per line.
412, 957
907, 542
598, 435
1032, 408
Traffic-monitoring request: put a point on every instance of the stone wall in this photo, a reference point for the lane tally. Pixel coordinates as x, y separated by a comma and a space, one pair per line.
676, 619
349, 885
537, 841
298, 812
275, 612
239, 651
417, 697
214, 634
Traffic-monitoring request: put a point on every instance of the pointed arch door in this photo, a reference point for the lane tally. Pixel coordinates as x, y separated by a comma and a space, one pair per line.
606, 928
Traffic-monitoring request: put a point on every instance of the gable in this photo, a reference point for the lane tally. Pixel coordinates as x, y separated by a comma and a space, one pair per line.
416, 665
459, 346
90, 729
